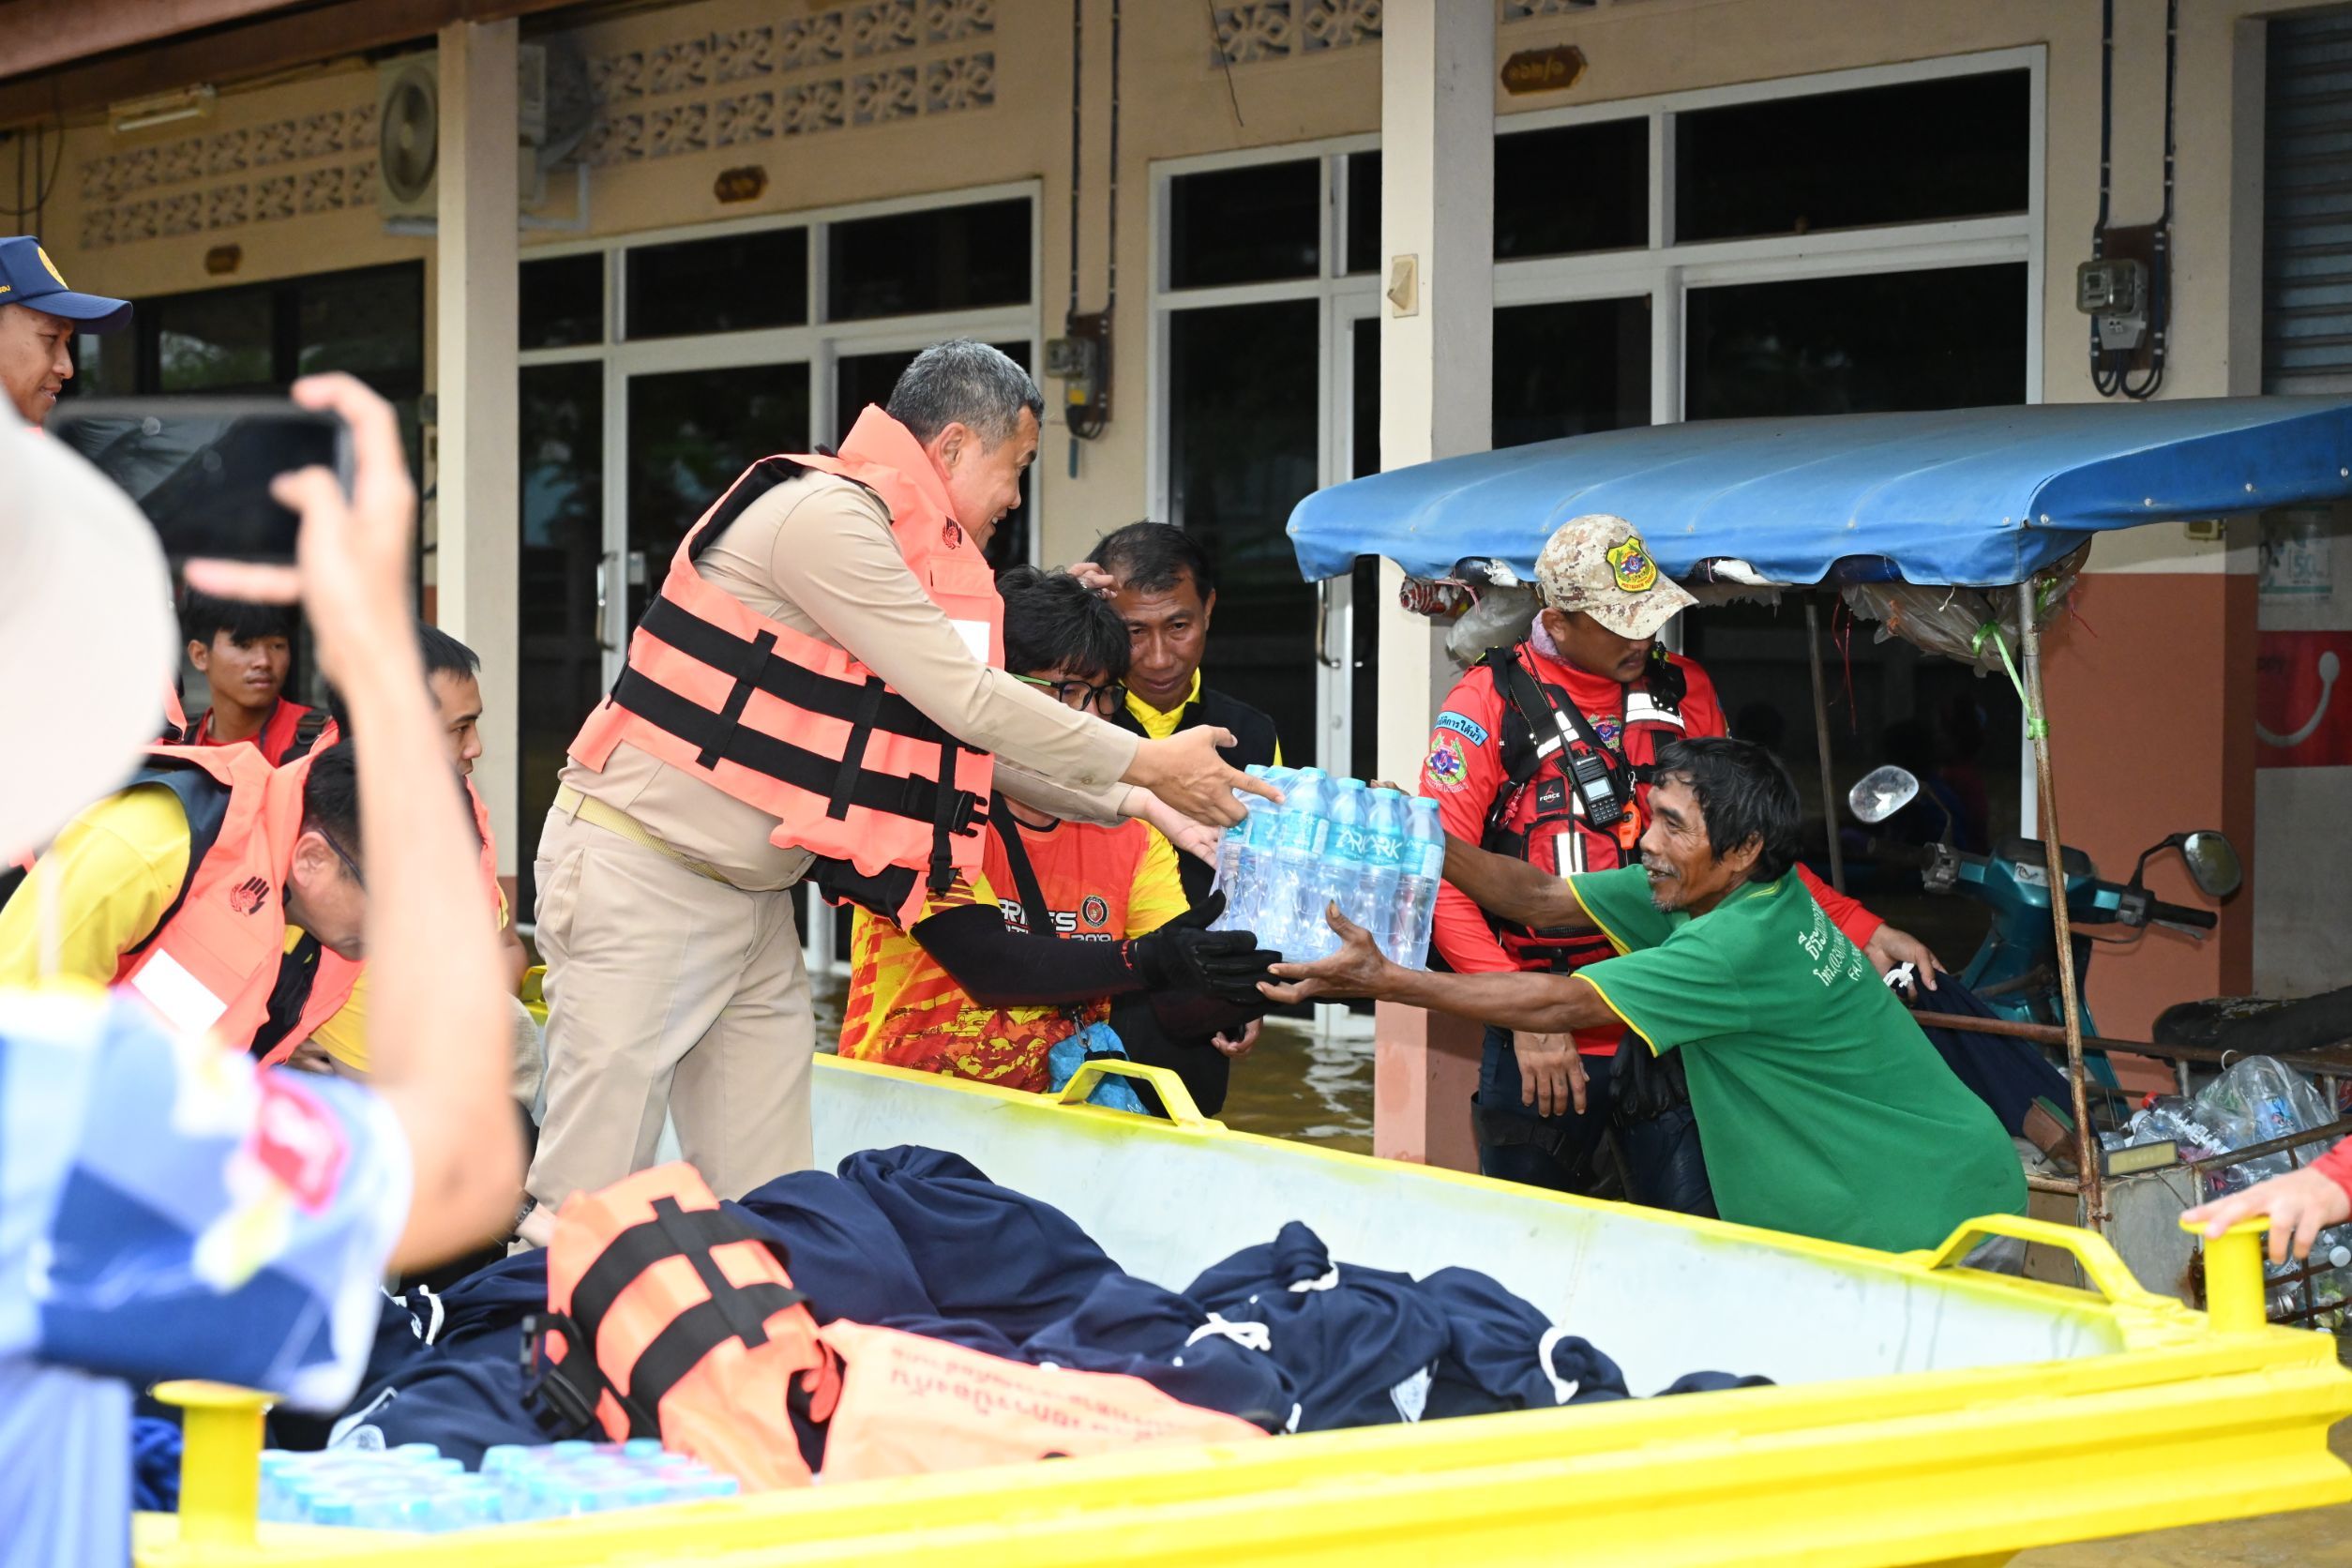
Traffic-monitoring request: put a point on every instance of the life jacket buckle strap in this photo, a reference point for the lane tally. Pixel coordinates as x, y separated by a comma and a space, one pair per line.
853, 754
746, 680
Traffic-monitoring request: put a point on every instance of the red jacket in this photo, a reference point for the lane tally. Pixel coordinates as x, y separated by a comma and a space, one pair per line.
1464, 772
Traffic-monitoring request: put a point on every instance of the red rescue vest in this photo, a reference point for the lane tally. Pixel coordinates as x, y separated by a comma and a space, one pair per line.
1540, 818
888, 801
671, 1317
217, 961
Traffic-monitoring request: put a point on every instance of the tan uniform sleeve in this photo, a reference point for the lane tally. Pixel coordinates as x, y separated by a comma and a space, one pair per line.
839, 566
1102, 807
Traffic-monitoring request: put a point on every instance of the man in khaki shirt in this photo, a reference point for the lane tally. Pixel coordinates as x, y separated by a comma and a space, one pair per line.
674, 982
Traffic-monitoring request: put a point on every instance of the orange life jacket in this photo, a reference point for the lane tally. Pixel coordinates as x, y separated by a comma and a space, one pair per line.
669, 1317
690, 1329
217, 961
888, 801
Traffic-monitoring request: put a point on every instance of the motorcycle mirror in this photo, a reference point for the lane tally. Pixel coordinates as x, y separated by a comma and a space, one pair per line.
1881, 793
2213, 864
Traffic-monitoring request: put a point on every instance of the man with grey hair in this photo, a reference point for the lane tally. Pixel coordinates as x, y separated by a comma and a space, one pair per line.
817, 692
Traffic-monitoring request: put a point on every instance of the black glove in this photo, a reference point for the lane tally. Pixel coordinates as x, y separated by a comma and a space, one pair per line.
1183, 954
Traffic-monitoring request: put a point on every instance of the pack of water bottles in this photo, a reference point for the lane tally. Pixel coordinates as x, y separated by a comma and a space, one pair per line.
1378, 854
413, 1488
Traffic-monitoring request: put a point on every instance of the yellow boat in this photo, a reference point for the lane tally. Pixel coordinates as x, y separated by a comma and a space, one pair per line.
1925, 1413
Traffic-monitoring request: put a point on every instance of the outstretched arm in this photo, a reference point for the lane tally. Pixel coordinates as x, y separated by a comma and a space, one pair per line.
1513, 889
1548, 1004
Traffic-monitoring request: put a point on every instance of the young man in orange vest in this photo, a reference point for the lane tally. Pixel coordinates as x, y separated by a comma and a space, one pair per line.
816, 691
225, 892
244, 651
967, 990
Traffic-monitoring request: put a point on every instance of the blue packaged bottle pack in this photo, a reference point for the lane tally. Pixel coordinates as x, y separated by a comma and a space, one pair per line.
413, 1489
1378, 854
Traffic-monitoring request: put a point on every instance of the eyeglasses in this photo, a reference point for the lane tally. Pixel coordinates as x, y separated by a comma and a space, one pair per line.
349, 864
1106, 700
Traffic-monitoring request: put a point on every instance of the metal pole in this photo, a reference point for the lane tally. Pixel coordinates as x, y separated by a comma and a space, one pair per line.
1821, 740
2053, 852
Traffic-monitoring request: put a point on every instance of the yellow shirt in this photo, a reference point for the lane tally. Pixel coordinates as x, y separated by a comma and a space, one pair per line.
1160, 725
111, 873
110, 876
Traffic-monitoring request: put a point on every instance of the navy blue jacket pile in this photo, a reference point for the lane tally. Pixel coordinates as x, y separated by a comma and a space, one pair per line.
920, 1240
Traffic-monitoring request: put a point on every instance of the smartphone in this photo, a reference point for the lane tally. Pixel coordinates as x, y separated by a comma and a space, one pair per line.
199, 468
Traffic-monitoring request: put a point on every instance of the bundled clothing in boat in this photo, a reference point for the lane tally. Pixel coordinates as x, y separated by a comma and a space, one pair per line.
921, 1241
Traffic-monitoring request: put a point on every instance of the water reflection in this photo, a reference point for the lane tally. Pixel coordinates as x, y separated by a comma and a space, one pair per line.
1296, 1084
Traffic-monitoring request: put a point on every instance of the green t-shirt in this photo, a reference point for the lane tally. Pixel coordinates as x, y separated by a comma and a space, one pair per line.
1822, 1109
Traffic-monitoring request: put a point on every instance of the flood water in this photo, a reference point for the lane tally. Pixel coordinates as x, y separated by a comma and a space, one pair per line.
1296, 1084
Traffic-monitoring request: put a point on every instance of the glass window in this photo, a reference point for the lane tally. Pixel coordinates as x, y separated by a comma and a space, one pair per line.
1362, 253
913, 264
1944, 338
562, 301
1568, 369
1246, 225
691, 432
1952, 147
1243, 436
219, 342
560, 674
1572, 188
370, 324
860, 379
105, 366
732, 283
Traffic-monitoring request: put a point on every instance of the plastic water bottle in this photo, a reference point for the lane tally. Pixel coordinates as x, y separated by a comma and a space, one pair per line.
1384, 869
1291, 911
413, 1489
1423, 869
1347, 858
1245, 852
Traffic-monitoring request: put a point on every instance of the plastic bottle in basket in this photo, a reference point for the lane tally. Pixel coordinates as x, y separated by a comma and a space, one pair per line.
1417, 883
1384, 869
1293, 909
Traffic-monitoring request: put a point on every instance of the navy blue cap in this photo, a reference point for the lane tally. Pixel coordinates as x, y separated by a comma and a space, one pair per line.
28, 276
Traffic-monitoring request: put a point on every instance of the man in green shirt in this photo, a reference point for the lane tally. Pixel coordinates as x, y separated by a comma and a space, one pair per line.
1822, 1109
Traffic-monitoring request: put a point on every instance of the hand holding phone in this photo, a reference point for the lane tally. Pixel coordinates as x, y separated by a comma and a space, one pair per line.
201, 469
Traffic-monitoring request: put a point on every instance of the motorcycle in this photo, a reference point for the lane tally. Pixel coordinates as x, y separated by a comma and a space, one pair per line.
2015, 970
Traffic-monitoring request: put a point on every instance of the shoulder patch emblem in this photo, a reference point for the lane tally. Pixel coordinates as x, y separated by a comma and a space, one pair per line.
1464, 726
1445, 767
1629, 561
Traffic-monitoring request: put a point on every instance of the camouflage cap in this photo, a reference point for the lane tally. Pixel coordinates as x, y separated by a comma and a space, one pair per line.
1597, 563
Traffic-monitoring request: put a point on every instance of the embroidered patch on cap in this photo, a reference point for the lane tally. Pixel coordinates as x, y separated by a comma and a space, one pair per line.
1629, 559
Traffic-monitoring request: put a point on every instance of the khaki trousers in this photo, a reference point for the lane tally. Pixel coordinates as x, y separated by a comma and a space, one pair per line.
667, 993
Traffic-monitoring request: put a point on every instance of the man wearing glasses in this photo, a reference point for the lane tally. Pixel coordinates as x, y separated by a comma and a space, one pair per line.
967, 990
226, 892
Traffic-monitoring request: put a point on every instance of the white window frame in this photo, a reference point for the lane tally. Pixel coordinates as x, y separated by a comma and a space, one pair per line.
821, 345
1663, 270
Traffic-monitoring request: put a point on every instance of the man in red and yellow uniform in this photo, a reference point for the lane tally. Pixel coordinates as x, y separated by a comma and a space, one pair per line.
969, 989
1541, 752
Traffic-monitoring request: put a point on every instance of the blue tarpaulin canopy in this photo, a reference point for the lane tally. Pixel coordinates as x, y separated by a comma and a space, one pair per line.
1978, 496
